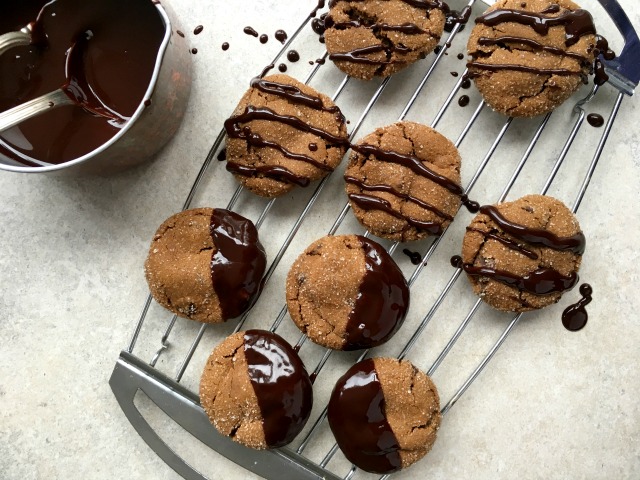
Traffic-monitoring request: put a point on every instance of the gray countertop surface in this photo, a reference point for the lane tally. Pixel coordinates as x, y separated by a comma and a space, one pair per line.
551, 404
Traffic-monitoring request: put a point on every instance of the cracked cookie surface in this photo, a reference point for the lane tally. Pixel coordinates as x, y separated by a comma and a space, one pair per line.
205, 264
347, 293
395, 196
523, 69
385, 414
256, 390
517, 255
367, 38
283, 134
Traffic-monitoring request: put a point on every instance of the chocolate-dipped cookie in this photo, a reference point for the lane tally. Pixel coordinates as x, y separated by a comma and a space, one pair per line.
528, 57
206, 264
367, 38
384, 414
256, 390
347, 293
403, 181
282, 134
522, 255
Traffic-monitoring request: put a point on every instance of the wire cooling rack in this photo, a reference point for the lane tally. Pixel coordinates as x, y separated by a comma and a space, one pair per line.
161, 359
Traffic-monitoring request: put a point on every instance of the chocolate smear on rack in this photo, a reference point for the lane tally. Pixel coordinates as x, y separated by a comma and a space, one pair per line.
382, 302
250, 31
455, 17
357, 418
281, 36
238, 263
415, 257
281, 384
543, 281
575, 317
595, 120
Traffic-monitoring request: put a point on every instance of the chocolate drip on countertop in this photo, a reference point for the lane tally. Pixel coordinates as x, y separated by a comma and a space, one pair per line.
389, 189
281, 36
577, 23
238, 263
382, 302
198, 30
415, 257
369, 202
595, 120
281, 385
506, 242
250, 31
575, 243
575, 316
543, 281
358, 421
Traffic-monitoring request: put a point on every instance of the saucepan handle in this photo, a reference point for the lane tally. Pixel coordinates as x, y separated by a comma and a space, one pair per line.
15, 39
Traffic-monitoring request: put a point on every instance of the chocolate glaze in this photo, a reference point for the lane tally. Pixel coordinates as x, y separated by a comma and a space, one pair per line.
225, 46
595, 120
250, 31
238, 264
369, 202
357, 418
506, 242
575, 243
293, 56
119, 79
198, 30
281, 36
382, 302
389, 189
463, 101
281, 384
575, 316
577, 23
415, 257
543, 281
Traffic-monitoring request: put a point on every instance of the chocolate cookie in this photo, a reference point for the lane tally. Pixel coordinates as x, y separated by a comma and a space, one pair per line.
347, 293
530, 56
522, 255
255, 389
282, 134
403, 181
206, 264
385, 414
367, 38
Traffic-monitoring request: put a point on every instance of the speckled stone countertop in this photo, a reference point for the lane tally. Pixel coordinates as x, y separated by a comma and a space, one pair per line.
551, 404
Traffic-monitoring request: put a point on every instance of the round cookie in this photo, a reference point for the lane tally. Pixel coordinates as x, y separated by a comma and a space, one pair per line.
528, 57
384, 414
347, 293
367, 38
403, 181
522, 255
206, 264
282, 134
256, 390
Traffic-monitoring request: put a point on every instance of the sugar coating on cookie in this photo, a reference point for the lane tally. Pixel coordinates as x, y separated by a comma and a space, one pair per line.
206, 264
523, 255
367, 38
528, 57
403, 181
256, 390
283, 134
384, 414
347, 293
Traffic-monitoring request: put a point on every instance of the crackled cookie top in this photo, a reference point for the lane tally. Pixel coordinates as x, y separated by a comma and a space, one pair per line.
346, 293
366, 38
206, 264
403, 181
255, 389
385, 414
522, 255
282, 134
527, 57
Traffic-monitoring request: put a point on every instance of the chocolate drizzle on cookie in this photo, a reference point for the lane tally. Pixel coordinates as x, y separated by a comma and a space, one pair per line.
291, 93
281, 384
575, 243
543, 281
382, 301
358, 420
506, 242
238, 263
